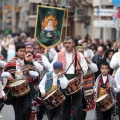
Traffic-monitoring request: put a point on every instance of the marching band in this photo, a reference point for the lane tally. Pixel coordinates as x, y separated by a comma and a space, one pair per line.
34, 85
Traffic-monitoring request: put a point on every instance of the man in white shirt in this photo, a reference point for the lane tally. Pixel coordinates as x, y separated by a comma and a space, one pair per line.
70, 68
87, 52
43, 60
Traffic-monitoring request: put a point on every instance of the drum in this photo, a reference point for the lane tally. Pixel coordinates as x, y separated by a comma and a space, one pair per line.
73, 86
88, 83
54, 99
105, 103
19, 88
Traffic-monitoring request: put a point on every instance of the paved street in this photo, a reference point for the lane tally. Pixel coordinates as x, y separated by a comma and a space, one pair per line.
8, 114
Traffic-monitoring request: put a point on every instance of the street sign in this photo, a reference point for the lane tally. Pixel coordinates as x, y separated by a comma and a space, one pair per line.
104, 23
104, 12
116, 2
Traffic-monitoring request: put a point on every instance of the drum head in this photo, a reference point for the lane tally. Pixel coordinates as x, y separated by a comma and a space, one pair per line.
101, 98
17, 83
50, 94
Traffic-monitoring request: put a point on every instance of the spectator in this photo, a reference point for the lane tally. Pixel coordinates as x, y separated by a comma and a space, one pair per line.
108, 56
87, 52
118, 46
11, 51
98, 59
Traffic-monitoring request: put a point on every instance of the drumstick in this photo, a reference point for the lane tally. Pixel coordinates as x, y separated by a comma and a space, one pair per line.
54, 76
109, 86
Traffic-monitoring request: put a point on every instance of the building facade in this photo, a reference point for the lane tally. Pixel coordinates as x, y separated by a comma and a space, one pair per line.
20, 16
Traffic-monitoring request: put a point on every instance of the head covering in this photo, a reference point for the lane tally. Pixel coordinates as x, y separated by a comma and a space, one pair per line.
79, 48
57, 65
29, 43
19, 46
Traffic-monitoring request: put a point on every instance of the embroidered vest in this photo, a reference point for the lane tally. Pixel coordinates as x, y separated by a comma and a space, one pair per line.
62, 58
48, 84
103, 87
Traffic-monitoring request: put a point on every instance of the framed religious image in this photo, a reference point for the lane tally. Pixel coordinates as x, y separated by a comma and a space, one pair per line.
49, 25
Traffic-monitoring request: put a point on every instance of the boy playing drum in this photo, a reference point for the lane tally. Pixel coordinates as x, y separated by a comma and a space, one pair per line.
104, 86
50, 82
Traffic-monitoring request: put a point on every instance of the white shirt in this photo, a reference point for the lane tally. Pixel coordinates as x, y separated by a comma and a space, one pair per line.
93, 67
71, 70
52, 53
63, 82
38, 66
114, 63
117, 80
31, 73
45, 62
1, 90
2, 64
88, 53
104, 78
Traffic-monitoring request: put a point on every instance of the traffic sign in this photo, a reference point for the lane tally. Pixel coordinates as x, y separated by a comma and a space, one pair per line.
104, 23
104, 12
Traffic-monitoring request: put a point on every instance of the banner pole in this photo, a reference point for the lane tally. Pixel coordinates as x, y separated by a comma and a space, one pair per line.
66, 22
53, 4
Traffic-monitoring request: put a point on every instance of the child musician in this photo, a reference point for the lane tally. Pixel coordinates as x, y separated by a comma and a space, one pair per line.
47, 86
104, 85
20, 69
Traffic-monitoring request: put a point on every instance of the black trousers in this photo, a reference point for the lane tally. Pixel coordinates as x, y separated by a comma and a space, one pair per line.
22, 107
56, 113
75, 101
40, 111
103, 115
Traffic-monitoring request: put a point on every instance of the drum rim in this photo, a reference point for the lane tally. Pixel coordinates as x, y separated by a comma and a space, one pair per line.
73, 79
103, 96
108, 108
13, 84
50, 94
74, 91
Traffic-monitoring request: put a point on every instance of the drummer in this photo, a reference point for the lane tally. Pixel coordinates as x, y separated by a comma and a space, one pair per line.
71, 69
47, 85
92, 67
104, 85
19, 68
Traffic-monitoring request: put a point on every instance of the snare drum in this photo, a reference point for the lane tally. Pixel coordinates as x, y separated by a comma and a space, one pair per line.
73, 86
19, 88
54, 99
105, 103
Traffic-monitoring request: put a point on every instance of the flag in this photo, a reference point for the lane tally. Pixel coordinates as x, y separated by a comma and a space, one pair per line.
49, 25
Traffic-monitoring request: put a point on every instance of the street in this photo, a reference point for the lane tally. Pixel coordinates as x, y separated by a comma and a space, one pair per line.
8, 114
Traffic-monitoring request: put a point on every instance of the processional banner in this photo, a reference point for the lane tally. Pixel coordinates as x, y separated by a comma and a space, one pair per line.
49, 25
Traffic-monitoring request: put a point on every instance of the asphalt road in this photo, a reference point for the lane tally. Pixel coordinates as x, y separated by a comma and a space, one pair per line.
8, 114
